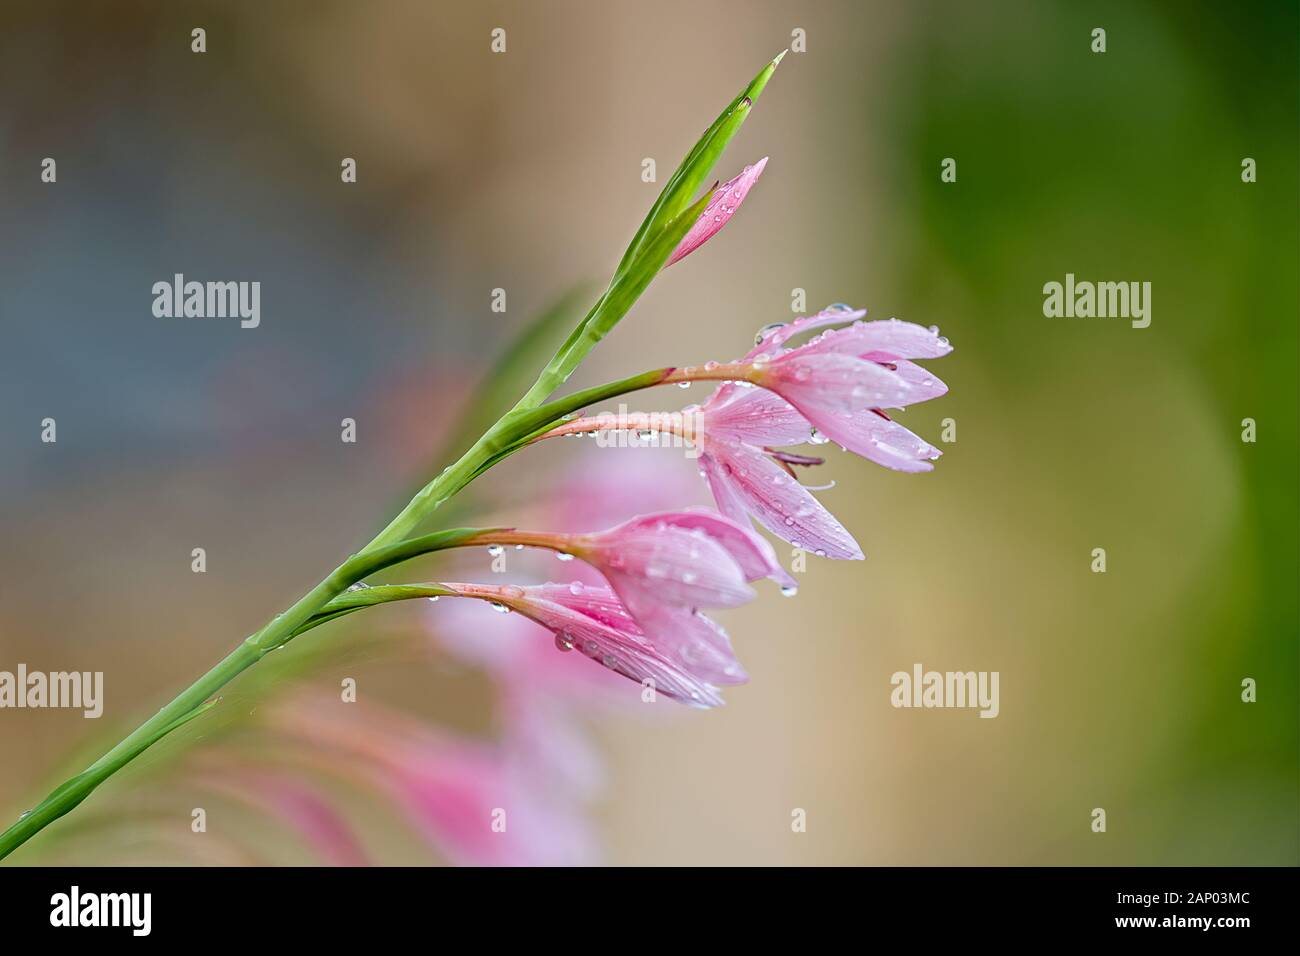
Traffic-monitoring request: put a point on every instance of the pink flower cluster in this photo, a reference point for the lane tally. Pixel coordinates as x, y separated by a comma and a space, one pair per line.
644, 618
636, 600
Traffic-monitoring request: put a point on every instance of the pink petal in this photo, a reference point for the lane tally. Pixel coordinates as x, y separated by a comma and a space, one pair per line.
903, 339
752, 553
697, 643
757, 417
832, 384
596, 601
726, 492
923, 384
726, 200
781, 504
621, 652
659, 562
771, 343
881, 440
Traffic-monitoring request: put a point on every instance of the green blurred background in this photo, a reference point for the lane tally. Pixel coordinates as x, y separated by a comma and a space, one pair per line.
1118, 690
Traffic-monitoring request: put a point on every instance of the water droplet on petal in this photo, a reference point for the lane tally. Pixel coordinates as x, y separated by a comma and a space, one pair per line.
498, 607
789, 590
563, 556
817, 438
434, 598
495, 550
576, 588
683, 384
767, 330
563, 642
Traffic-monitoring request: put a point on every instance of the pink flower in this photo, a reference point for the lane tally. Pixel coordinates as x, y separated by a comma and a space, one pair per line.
594, 491
726, 200
666, 566
840, 383
843, 379
592, 620
686, 558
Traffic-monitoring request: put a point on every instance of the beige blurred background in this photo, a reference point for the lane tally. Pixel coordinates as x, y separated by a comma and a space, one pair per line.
1118, 690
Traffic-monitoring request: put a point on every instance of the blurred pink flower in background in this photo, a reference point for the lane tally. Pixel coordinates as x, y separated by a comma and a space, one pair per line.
479, 803
288, 798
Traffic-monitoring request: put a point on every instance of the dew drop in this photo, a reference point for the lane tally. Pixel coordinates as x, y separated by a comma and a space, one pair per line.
563, 642
495, 550
767, 330
498, 607
789, 590
683, 384
576, 588
434, 598
359, 586
817, 438
563, 556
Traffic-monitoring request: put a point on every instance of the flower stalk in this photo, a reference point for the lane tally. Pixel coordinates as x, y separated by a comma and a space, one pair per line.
671, 218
